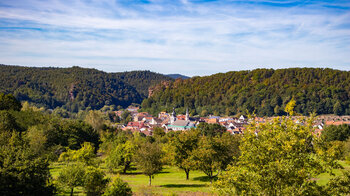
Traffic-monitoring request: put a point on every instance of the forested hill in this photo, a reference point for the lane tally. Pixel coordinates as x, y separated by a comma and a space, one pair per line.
141, 80
265, 91
76, 88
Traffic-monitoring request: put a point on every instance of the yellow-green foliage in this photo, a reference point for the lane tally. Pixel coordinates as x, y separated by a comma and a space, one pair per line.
85, 154
278, 158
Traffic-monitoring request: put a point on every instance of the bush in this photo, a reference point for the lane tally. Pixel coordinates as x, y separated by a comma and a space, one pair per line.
94, 181
118, 187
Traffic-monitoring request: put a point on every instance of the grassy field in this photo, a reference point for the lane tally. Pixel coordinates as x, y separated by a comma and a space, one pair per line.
172, 181
322, 179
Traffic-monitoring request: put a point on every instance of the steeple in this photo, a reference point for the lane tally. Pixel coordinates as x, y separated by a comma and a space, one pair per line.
187, 115
173, 116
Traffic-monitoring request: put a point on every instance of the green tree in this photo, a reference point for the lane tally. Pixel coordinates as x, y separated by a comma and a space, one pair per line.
126, 117
9, 102
22, 172
183, 146
213, 154
121, 156
94, 118
149, 159
211, 129
333, 132
118, 187
289, 109
72, 176
8, 122
36, 139
86, 154
278, 158
95, 181
337, 108
158, 133
339, 185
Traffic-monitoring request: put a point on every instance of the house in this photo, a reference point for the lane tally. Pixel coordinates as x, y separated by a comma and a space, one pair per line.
132, 109
163, 115
140, 116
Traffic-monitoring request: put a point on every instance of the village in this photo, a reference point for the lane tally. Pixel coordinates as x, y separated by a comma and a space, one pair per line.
145, 123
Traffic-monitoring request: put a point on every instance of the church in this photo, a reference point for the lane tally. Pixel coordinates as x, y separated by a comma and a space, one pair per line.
179, 125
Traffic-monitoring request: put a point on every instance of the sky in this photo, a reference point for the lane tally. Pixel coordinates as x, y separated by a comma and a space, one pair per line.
190, 37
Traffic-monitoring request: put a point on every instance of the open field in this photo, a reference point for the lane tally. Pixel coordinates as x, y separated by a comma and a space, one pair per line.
172, 181
322, 179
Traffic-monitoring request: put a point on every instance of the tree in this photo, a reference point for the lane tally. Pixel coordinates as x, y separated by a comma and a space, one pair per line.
94, 119
333, 132
211, 129
121, 156
183, 146
86, 154
337, 108
149, 159
158, 132
278, 158
289, 109
126, 117
118, 187
95, 181
36, 139
9, 102
213, 154
72, 176
22, 172
339, 185
8, 122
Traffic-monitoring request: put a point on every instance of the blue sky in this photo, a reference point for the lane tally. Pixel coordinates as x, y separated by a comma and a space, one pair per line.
195, 37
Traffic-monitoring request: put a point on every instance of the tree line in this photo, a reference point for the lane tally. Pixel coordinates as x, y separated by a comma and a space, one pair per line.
263, 91
76, 88
273, 158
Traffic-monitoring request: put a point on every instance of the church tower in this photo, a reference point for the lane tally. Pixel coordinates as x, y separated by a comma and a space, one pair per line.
187, 115
173, 117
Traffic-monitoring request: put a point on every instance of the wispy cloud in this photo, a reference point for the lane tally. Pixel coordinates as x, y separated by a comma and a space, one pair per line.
189, 37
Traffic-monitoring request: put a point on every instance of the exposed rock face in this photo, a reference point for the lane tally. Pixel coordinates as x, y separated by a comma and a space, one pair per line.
153, 89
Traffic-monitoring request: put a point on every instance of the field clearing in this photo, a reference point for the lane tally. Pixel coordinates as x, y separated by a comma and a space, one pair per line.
172, 181
322, 179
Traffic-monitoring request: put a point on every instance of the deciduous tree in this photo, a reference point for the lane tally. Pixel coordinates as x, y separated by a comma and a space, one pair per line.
278, 158
149, 159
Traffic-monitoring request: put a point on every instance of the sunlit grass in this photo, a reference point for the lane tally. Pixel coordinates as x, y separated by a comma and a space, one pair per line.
322, 179
172, 181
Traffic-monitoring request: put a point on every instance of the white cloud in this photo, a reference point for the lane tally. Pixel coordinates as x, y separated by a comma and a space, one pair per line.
187, 38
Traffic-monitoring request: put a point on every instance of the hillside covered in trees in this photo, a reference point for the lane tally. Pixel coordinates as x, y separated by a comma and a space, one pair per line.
76, 88
265, 91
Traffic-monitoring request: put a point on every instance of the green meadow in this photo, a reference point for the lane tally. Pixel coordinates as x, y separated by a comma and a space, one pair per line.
322, 179
172, 181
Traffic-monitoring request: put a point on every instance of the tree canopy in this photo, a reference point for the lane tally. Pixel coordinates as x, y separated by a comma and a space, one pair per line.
278, 158
265, 91
75, 88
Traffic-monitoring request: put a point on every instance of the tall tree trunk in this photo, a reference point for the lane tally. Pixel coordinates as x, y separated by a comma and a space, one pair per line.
124, 171
150, 179
187, 171
72, 191
211, 177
